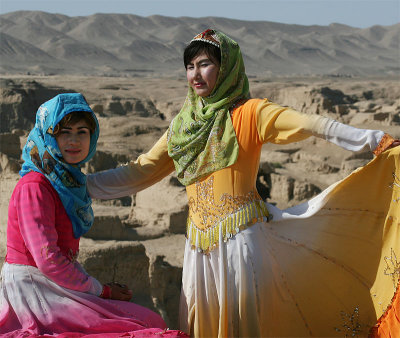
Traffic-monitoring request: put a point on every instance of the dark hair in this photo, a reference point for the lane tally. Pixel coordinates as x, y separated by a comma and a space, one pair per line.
75, 117
197, 47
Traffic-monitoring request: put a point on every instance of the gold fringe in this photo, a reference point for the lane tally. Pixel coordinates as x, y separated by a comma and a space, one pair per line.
206, 240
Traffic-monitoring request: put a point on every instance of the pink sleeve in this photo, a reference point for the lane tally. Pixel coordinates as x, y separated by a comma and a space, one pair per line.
36, 214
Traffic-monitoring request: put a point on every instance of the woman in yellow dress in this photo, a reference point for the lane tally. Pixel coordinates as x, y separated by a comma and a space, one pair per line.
327, 267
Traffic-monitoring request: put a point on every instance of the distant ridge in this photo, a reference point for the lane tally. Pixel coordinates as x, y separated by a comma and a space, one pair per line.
126, 45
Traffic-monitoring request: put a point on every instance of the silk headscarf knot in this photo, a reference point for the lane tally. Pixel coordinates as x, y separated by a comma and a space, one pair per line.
201, 137
41, 154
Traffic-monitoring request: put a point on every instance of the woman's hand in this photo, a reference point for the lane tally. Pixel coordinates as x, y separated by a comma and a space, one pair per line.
394, 144
120, 291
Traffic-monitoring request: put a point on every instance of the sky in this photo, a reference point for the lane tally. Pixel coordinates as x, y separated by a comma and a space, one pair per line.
355, 13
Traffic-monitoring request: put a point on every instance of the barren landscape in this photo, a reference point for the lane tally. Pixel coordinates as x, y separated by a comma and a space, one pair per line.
139, 239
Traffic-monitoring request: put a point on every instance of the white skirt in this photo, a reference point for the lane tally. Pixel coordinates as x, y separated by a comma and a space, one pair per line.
327, 267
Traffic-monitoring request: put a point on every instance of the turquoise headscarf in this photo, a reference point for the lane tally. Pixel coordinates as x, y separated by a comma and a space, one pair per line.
41, 154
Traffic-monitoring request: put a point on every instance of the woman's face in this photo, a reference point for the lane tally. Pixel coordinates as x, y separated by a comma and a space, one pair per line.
202, 74
74, 142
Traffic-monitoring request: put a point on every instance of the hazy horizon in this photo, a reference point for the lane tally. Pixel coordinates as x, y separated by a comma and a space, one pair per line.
354, 13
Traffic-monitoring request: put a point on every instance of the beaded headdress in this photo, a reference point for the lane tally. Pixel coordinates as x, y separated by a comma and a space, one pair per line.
207, 36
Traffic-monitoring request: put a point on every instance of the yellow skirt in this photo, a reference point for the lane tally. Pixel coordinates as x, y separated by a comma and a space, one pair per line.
328, 267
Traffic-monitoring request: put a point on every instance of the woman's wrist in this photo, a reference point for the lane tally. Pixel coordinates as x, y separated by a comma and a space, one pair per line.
106, 292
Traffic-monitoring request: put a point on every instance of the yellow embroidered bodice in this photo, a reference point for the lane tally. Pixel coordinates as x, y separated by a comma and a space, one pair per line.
211, 217
227, 201
207, 209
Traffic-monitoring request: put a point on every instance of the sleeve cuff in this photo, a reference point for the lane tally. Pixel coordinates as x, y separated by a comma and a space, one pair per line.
96, 287
385, 142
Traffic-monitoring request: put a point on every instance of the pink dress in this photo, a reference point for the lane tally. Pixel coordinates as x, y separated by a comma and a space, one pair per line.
44, 291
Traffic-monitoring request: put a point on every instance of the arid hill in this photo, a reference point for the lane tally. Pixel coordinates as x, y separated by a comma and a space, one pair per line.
125, 45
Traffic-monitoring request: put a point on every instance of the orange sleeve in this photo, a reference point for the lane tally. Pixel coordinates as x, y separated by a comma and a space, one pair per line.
282, 125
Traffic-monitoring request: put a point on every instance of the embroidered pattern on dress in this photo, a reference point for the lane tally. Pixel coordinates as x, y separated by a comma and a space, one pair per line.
225, 218
392, 268
385, 142
373, 331
210, 211
395, 185
351, 326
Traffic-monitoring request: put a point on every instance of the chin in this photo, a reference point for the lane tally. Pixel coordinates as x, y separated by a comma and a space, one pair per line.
202, 94
73, 161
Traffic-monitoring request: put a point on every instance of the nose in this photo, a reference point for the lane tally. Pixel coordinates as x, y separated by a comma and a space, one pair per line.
197, 73
73, 138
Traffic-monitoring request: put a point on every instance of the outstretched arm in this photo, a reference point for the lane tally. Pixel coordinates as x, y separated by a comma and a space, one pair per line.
137, 175
282, 125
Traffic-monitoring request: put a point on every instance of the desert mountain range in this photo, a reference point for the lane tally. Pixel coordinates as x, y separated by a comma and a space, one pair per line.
41, 43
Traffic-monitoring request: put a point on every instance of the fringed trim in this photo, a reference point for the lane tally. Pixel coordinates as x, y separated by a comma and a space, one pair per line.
374, 332
207, 240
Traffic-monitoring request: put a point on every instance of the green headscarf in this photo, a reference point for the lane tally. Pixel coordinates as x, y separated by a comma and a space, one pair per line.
201, 138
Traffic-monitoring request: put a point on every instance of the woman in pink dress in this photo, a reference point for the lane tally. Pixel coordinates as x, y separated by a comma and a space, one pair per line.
44, 291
